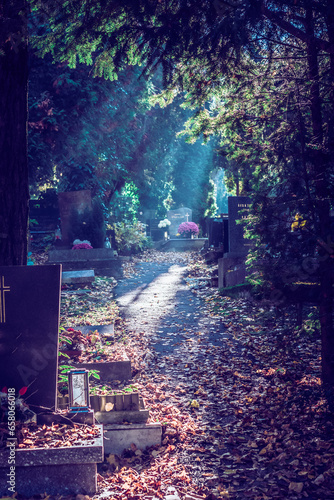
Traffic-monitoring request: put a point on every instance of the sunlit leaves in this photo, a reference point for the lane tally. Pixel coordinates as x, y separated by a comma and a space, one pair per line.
94, 306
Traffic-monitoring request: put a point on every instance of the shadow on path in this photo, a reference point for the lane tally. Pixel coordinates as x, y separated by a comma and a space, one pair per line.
159, 303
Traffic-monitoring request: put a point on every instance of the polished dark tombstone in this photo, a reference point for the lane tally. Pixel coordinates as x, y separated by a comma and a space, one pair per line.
70, 202
231, 267
155, 231
238, 206
29, 325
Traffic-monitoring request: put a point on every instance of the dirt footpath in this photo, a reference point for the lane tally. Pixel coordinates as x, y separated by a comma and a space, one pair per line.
237, 392
161, 305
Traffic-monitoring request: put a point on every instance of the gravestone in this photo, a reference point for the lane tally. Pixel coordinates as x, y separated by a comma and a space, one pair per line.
153, 229
149, 214
47, 217
238, 206
218, 232
29, 325
176, 218
231, 267
69, 201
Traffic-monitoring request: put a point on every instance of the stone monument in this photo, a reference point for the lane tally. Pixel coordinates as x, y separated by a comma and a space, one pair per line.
232, 267
69, 201
238, 206
29, 325
176, 218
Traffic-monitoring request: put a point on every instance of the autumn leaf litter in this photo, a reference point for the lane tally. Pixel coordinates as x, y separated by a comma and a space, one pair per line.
242, 418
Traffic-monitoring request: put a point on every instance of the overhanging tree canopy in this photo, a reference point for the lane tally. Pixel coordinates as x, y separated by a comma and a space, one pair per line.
200, 46
205, 45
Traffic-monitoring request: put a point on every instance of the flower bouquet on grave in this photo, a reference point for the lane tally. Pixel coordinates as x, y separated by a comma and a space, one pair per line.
188, 229
81, 244
165, 223
12, 404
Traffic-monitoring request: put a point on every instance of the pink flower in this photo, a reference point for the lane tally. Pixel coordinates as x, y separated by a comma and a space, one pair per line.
188, 228
81, 245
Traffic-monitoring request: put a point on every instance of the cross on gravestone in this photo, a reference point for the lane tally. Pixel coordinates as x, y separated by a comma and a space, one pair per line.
3, 290
29, 324
176, 218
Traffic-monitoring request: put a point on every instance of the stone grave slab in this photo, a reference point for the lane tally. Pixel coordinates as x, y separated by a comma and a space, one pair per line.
104, 330
68, 470
231, 271
176, 218
80, 291
78, 277
102, 260
118, 437
29, 326
117, 417
154, 230
109, 370
183, 244
81, 255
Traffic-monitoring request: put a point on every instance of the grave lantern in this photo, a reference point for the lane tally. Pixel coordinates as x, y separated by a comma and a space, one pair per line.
78, 390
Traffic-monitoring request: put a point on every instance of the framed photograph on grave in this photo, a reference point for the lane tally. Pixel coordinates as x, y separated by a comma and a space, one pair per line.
29, 326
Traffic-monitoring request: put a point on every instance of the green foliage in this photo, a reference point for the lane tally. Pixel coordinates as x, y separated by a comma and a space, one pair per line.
258, 74
311, 324
97, 134
76, 177
125, 205
131, 238
83, 131
262, 116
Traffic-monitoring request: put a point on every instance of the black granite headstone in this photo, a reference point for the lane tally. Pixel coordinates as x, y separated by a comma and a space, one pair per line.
153, 229
218, 233
238, 206
29, 325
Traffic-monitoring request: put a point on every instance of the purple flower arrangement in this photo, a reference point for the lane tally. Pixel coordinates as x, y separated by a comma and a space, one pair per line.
81, 244
188, 229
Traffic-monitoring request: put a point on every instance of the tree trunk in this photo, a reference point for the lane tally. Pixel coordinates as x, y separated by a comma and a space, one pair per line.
14, 184
320, 173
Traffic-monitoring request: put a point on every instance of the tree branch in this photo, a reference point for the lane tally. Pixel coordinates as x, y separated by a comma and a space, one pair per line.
292, 30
